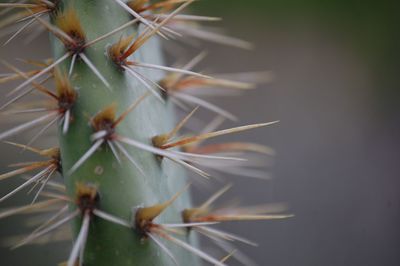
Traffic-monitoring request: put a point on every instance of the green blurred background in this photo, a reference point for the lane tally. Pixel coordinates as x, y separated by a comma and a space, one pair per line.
336, 94
370, 28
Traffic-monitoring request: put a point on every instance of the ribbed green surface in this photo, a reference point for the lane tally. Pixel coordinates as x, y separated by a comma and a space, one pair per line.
121, 187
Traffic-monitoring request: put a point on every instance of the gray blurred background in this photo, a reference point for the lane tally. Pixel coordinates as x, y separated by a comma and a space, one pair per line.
336, 95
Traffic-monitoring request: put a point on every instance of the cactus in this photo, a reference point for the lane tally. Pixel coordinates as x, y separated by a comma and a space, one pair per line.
120, 156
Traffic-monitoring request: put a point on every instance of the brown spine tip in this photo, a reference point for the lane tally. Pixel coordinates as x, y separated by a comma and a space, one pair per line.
65, 91
69, 23
138, 5
87, 197
162, 6
116, 51
144, 216
104, 120
159, 140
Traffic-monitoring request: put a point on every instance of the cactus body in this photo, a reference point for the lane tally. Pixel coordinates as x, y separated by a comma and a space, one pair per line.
121, 185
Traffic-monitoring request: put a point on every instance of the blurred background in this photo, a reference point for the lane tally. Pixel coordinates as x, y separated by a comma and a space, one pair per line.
336, 94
